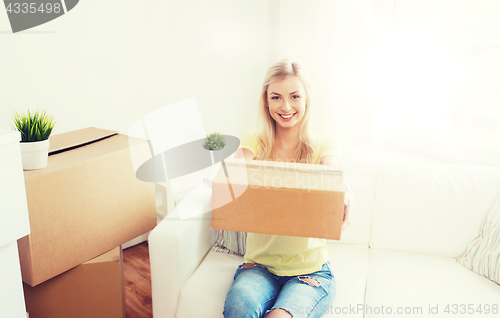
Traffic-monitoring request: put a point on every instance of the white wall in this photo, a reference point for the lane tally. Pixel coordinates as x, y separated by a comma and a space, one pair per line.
417, 75
107, 63
421, 76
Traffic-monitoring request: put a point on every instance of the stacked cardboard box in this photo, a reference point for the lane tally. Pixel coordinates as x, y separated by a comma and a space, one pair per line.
86, 202
93, 289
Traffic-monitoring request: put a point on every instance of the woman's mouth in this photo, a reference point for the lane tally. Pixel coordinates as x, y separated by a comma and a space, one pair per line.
287, 117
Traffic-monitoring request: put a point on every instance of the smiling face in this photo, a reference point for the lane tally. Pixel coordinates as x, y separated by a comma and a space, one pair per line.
286, 100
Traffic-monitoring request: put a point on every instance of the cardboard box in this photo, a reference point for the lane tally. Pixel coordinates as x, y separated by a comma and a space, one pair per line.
84, 203
292, 199
94, 289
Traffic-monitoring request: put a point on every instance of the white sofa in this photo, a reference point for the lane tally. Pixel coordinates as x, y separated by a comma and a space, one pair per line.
411, 218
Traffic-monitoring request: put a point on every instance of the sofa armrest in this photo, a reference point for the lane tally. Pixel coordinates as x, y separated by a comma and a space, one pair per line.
176, 248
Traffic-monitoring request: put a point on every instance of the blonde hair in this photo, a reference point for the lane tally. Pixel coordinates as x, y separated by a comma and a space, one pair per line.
282, 70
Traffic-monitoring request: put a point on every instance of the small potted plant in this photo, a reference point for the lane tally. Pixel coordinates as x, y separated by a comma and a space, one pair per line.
35, 130
214, 142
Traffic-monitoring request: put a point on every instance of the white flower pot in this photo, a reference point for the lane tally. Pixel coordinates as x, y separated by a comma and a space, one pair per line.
212, 156
35, 154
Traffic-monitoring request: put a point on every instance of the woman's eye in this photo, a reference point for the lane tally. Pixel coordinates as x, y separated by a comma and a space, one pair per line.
275, 97
295, 97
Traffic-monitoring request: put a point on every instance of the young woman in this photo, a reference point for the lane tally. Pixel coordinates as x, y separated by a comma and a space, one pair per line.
284, 276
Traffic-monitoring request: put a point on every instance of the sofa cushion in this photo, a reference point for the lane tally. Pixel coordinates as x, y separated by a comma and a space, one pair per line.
399, 279
349, 264
426, 208
204, 293
359, 173
360, 170
483, 254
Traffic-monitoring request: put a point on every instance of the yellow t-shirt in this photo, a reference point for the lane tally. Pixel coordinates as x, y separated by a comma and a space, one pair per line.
287, 255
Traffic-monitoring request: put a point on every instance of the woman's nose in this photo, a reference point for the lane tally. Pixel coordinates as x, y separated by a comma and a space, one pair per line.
286, 106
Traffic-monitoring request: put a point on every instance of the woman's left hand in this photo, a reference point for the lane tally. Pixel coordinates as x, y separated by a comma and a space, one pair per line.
334, 161
347, 214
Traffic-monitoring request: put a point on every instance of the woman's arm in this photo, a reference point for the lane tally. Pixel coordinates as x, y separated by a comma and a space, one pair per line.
334, 161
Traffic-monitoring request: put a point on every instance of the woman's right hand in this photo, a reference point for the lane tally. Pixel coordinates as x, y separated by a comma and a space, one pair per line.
347, 208
243, 153
347, 215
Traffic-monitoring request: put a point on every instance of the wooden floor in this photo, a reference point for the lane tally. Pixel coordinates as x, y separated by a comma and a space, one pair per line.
137, 275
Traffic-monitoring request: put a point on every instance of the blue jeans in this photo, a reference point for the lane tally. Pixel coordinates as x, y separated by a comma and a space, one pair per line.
256, 291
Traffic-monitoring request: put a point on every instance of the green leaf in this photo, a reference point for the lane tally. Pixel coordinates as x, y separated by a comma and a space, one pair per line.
34, 126
214, 141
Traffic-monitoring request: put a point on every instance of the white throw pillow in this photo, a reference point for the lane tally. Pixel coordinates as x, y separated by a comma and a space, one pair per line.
230, 242
433, 209
483, 254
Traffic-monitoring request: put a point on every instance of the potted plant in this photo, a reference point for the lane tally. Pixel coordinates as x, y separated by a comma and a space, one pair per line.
214, 142
35, 130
